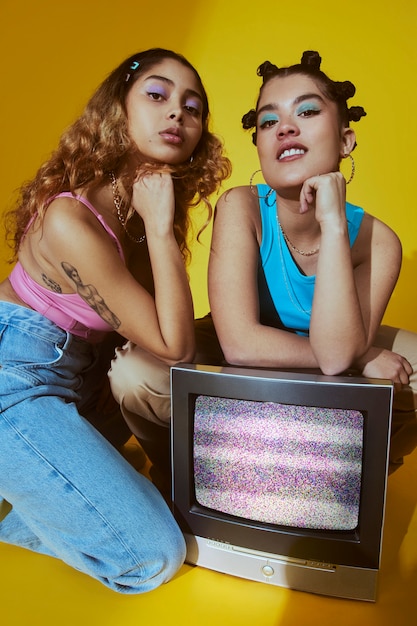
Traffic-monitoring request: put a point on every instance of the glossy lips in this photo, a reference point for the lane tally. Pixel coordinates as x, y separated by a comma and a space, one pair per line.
172, 135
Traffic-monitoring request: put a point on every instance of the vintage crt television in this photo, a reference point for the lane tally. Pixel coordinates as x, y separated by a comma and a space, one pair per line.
280, 476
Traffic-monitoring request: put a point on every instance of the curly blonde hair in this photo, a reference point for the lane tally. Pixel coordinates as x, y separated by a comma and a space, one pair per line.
98, 143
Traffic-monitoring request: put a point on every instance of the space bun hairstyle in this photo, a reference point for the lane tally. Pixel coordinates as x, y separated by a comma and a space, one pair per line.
338, 92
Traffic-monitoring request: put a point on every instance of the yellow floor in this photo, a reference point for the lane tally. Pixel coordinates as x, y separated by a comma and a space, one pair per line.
37, 590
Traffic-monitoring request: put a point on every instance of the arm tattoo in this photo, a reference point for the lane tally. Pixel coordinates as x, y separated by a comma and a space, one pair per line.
91, 296
51, 284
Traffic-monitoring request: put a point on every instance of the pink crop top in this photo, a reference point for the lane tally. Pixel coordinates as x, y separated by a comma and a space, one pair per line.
67, 310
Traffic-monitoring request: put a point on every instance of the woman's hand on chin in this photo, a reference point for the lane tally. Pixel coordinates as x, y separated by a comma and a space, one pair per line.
325, 193
153, 199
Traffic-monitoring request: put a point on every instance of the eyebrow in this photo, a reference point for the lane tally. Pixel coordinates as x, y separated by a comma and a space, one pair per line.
171, 83
306, 96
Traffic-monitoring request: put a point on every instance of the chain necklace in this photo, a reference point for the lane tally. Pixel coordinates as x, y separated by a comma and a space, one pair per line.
117, 201
289, 288
292, 246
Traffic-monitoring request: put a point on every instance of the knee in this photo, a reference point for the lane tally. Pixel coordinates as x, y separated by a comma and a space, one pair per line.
140, 383
155, 567
155, 571
133, 367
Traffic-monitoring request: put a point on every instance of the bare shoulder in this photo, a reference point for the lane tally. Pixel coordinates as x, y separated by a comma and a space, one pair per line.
238, 200
71, 232
237, 211
381, 234
237, 196
69, 221
377, 240
66, 212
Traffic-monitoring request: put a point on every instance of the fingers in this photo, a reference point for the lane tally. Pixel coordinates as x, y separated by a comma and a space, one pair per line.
389, 365
307, 196
154, 200
405, 371
153, 183
402, 374
325, 192
407, 366
146, 170
152, 179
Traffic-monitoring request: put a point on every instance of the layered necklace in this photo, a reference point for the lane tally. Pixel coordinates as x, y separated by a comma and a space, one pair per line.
287, 281
117, 201
292, 246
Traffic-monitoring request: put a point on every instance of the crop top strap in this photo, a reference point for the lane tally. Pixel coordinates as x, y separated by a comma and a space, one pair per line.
87, 203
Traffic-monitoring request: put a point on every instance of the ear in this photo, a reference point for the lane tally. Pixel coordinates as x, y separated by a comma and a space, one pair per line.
348, 142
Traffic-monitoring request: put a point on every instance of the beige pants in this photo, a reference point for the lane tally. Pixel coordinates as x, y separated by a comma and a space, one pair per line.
141, 385
404, 417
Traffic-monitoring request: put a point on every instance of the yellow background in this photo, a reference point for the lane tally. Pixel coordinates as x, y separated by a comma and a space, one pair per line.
54, 54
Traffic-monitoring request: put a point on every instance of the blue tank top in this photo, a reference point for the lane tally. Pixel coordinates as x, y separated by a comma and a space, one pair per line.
285, 293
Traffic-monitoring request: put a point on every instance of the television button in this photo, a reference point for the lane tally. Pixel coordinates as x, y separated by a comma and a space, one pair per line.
268, 571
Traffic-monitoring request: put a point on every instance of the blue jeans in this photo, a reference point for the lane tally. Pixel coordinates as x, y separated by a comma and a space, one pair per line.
74, 497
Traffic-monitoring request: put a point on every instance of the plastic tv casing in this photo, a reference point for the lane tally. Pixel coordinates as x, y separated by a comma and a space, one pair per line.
336, 563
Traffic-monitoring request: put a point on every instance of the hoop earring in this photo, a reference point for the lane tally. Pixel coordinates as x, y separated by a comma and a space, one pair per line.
352, 165
254, 189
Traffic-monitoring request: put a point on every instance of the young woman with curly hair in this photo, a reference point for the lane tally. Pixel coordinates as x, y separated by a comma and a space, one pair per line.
101, 240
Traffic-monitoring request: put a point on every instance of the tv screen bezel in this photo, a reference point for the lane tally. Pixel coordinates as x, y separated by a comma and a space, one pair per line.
372, 397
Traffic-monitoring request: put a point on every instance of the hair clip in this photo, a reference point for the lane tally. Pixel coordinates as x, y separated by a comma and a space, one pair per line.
133, 67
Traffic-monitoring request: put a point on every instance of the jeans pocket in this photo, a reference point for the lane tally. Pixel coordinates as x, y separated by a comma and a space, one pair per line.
39, 359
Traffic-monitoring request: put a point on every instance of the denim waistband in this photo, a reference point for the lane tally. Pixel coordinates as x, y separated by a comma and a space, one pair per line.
29, 321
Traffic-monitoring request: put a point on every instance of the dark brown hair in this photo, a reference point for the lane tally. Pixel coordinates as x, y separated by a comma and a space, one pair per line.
338, 92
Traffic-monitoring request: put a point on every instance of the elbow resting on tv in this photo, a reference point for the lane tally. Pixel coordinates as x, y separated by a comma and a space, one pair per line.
239, 356
333, 365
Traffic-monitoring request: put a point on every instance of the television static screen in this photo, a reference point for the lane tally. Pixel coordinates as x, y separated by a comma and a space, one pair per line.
288, 465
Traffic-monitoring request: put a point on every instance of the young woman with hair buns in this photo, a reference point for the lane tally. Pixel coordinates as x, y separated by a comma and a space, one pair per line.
298, 276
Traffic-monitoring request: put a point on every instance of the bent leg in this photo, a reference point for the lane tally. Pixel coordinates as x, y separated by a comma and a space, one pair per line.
97, 403
74, 497
140, 384
404, 416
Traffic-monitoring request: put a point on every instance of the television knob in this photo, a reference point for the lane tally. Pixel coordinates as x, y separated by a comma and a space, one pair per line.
268, 571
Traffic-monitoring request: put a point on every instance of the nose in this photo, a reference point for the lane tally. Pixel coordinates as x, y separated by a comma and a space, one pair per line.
287, 127
176, 112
